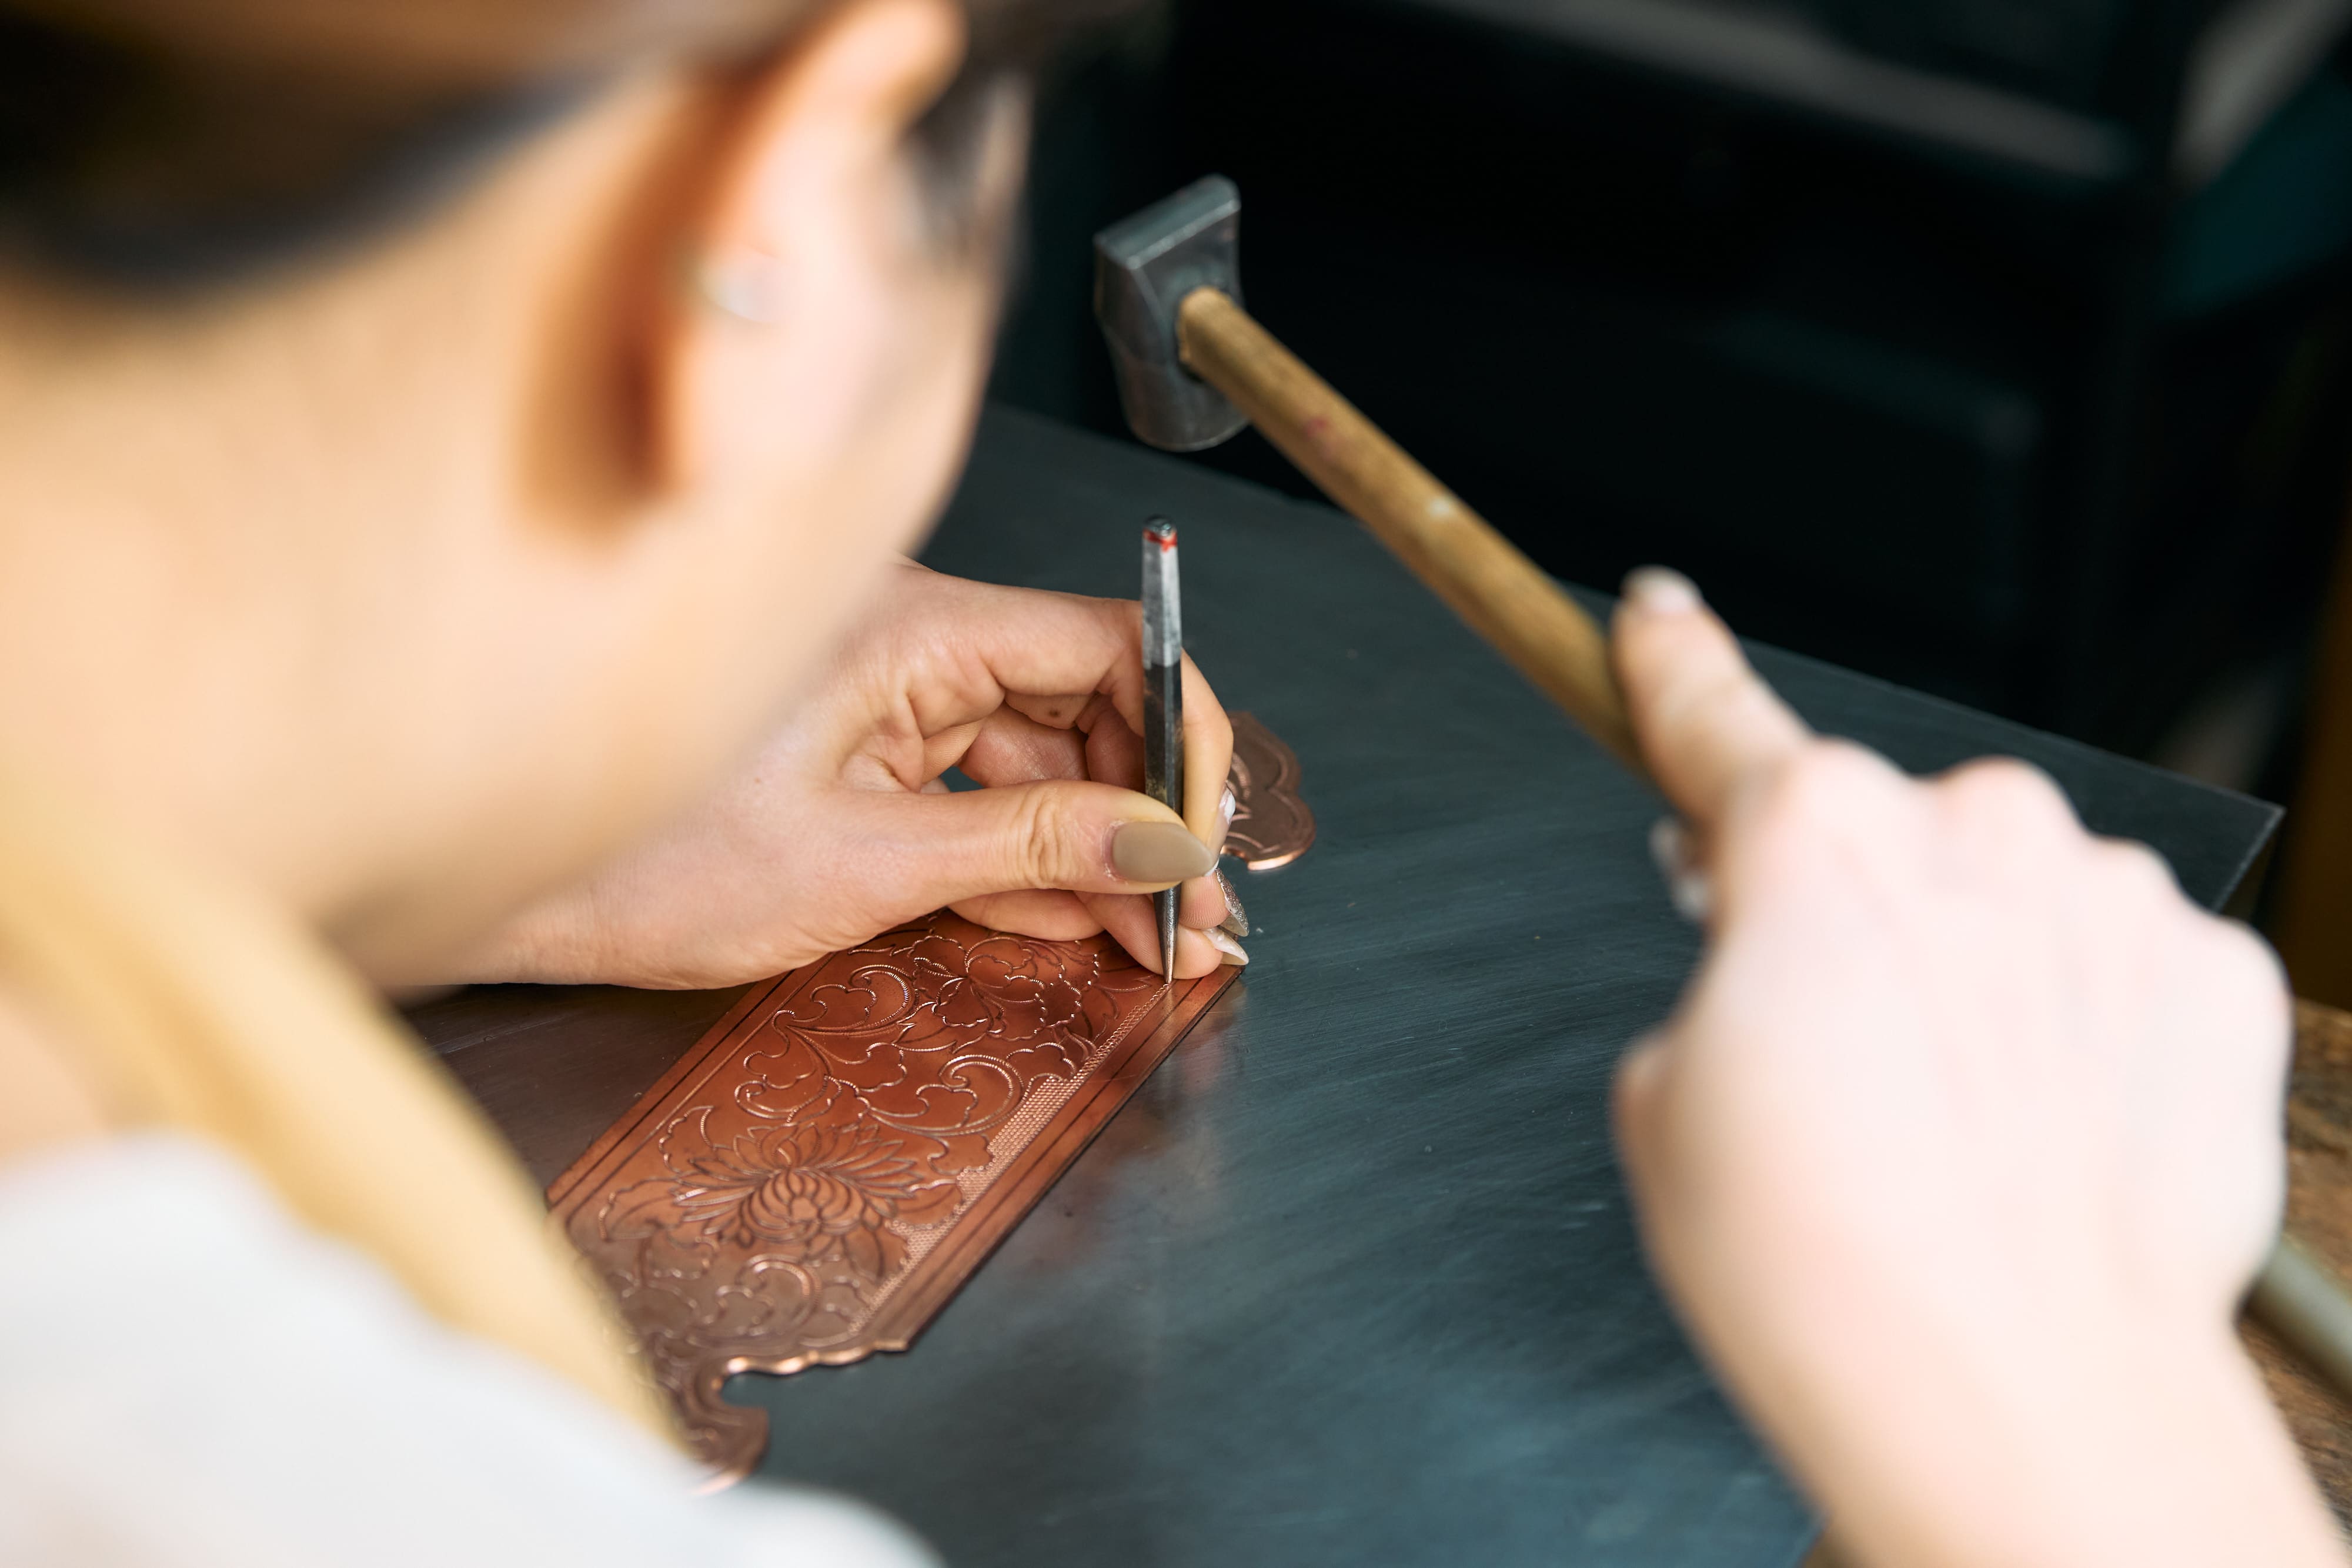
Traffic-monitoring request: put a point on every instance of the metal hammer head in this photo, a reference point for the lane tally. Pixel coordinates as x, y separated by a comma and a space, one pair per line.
1144, 266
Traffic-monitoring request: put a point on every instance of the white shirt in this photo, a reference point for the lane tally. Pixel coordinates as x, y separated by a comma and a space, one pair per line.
189, 1379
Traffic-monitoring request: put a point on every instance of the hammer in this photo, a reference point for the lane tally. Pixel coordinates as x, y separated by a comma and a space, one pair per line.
1193, 368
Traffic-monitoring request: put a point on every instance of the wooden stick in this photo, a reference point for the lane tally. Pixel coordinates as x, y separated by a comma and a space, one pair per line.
1481, 575
2301, 1301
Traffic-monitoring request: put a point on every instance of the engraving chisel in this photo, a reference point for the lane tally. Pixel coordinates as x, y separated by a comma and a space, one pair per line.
1163, 702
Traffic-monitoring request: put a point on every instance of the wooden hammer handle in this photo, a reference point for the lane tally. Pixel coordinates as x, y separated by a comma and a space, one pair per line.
1475, 570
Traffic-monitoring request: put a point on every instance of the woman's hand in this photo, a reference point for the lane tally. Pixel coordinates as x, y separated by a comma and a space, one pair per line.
842, 828
1962, 1145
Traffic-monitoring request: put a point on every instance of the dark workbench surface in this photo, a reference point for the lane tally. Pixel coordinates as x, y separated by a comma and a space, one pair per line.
1352, 1279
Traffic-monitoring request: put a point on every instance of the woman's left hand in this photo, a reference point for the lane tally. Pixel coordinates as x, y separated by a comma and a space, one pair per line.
842, 827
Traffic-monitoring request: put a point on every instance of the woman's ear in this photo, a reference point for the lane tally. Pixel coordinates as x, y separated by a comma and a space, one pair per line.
789, 254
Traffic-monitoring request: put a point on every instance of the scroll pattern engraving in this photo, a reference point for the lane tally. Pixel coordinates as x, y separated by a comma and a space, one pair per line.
815, 1178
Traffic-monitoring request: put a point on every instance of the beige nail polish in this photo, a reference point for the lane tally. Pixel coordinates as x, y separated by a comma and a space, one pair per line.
1688, 885
1660, 590
1236, 920
1670, 847
1158, 852
1694, 896
1233, 953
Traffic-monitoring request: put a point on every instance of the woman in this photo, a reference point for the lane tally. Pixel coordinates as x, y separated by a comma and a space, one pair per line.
455, 465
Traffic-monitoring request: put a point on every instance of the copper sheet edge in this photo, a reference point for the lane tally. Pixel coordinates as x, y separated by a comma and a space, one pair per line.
815, 1178
1273, 825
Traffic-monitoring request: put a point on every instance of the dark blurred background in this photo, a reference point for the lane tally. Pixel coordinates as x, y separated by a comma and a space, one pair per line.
2001, 348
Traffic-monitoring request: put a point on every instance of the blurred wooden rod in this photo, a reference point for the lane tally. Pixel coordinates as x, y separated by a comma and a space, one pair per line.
2298, 1298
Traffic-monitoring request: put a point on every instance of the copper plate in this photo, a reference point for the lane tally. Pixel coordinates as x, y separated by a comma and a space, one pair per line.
1272, 826
811, 1182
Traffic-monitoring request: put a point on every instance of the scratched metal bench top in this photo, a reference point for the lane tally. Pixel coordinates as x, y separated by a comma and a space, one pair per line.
1352, 1278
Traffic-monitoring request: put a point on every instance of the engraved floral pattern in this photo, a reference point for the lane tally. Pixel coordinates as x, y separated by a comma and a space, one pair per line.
797, 1169
808, 1194
811, 1183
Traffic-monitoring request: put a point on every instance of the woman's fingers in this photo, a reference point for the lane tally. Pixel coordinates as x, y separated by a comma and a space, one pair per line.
1709, 728
1054, 859
1043, 696
916, 851
983, 644
1114, 752
1208, 755
1133, 924
1010, 748
1055, 916
1032, 649
1013, 749
1051, 915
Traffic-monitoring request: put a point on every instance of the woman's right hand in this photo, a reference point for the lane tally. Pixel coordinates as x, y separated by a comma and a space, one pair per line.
1961, 1147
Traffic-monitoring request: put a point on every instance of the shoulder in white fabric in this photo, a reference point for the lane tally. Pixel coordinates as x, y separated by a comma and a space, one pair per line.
191, 1379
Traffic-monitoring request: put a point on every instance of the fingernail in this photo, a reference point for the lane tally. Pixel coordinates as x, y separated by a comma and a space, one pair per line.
1236, 918
1660, 590
1158, 852
1233, 952
1693, 895
1690, 890
1670, 847
1226, 806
